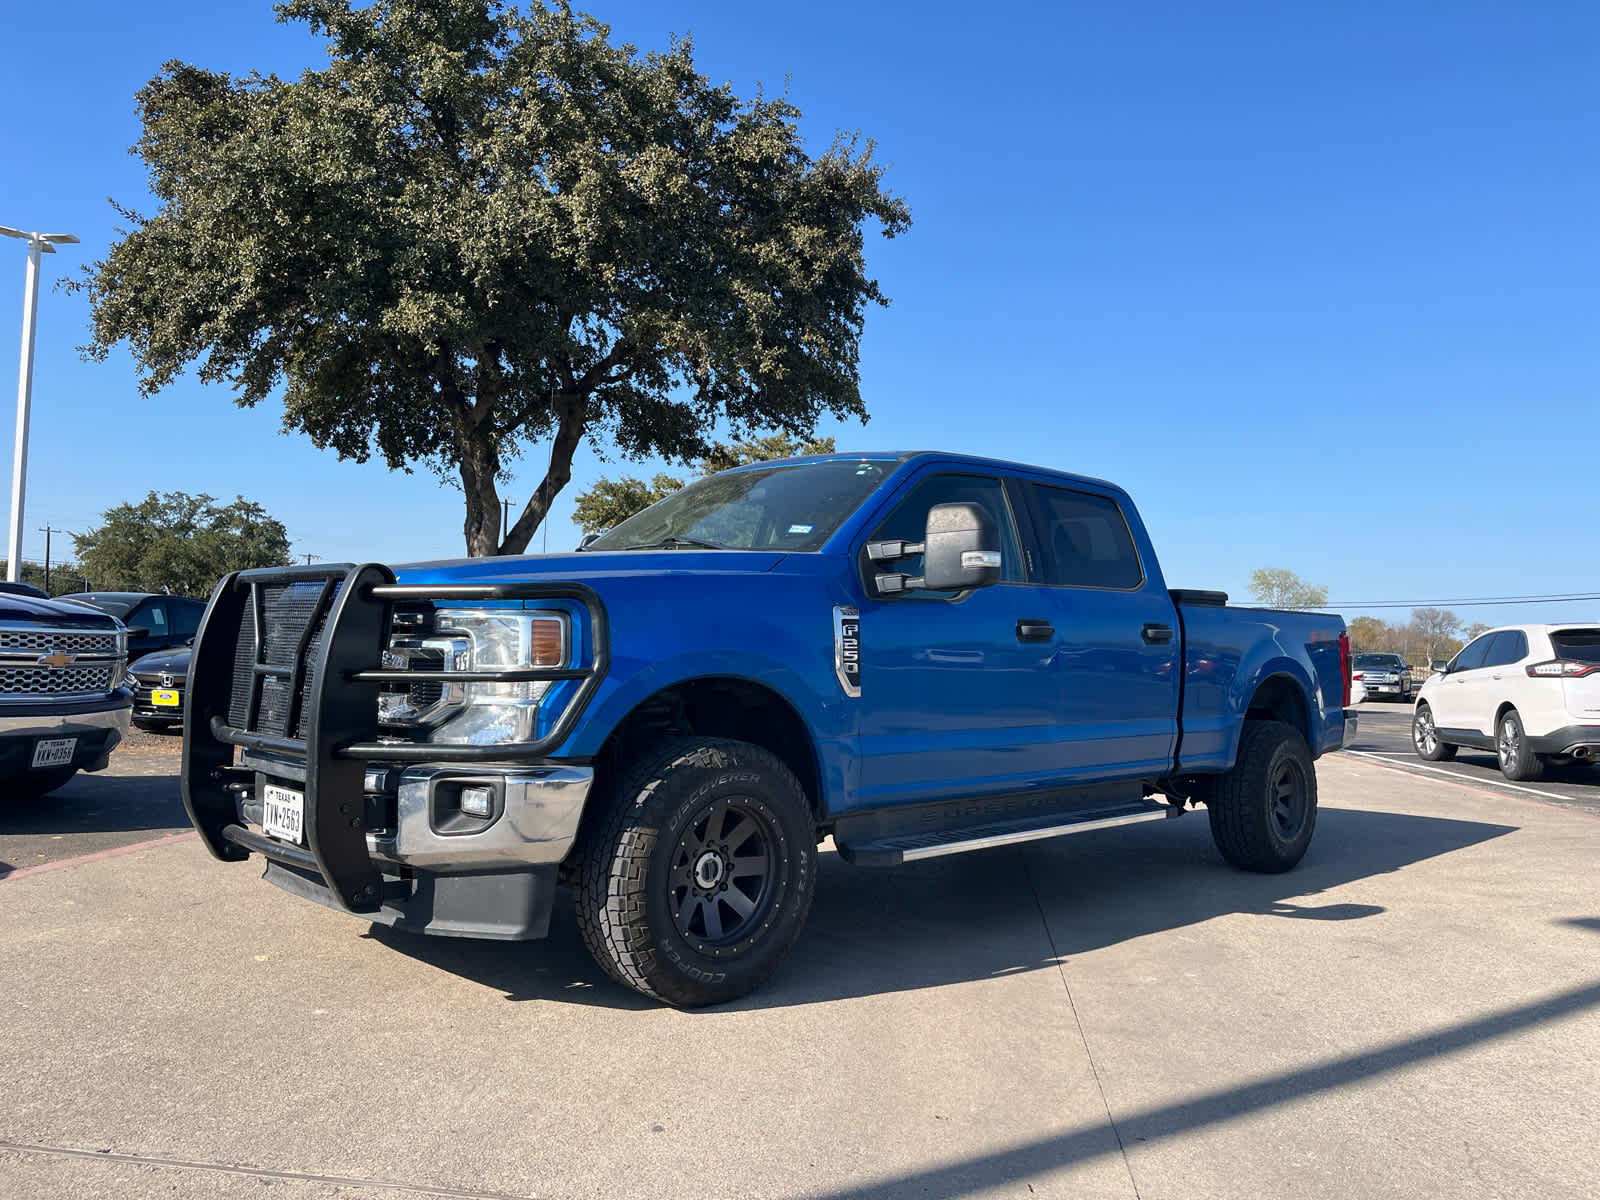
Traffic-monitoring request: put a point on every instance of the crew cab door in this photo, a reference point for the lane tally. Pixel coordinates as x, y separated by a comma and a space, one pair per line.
1117, 654
957, 696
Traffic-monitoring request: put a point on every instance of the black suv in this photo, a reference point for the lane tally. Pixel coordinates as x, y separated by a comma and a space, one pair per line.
1383, 675
154, 622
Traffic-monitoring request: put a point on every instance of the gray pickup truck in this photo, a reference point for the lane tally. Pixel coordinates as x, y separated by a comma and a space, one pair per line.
63, 706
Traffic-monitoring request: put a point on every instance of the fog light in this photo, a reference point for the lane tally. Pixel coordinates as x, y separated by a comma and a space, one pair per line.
477, 801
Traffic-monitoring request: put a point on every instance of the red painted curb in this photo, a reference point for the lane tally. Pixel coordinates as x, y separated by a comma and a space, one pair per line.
80, 860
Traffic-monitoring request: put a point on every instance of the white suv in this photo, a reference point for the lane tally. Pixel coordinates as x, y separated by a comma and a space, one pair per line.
1528, 692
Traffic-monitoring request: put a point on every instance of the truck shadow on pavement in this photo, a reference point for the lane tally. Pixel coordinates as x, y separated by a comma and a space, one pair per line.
993, 913
1145, 1127
100, 803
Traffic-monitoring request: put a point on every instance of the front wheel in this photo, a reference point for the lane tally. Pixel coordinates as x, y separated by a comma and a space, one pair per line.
1517, 761
1264, 811
696, 880
1425, 737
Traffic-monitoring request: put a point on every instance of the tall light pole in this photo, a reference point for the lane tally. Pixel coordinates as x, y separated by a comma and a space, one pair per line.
38, 243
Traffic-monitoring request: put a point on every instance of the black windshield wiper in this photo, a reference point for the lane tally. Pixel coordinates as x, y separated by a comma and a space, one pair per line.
678, 543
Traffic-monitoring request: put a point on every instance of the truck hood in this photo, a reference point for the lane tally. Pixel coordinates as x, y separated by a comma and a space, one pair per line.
588, 565
54, 614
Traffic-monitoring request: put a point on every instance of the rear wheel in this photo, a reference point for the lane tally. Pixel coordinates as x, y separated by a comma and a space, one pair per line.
1517, 761
1425, 737
1264, 811
695, 882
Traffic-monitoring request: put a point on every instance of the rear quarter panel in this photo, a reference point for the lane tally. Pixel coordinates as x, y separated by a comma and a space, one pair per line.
1230, 652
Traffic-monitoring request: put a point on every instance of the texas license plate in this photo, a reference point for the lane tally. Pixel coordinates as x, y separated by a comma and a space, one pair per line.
54, 752
283, 813
166, 699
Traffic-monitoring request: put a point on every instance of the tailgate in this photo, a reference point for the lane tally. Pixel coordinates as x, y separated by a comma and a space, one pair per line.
1582, 692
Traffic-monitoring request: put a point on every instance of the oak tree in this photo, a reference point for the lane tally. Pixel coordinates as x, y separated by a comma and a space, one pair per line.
481, 227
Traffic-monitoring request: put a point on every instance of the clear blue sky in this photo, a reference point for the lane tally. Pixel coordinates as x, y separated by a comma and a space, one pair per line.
1318, 283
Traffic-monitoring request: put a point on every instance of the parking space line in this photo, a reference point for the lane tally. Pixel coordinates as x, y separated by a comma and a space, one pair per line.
60, 863
156, 1160
1464, 782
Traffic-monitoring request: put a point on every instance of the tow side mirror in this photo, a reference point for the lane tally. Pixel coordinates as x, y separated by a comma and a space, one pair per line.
958, 553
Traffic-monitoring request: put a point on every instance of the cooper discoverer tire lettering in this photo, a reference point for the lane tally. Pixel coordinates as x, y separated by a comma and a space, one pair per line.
698, 876
1264, 811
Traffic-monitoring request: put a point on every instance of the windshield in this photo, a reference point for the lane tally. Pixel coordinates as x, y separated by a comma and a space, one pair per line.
1378, 660
117, 606
794, 508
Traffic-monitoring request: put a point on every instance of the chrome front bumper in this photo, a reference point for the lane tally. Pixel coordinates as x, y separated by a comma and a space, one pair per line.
537, 821
64, 724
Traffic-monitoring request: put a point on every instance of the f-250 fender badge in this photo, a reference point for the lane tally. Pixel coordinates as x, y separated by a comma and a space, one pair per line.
847, 648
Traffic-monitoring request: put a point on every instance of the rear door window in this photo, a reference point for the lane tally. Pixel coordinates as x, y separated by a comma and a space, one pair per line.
1509, 646
1083, 540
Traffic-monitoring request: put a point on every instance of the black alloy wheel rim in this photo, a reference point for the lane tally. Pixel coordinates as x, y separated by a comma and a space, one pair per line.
724, 873
1289, 796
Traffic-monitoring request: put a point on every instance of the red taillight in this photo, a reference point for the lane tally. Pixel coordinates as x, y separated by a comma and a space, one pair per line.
1344, 667
1355, 675
1562, 668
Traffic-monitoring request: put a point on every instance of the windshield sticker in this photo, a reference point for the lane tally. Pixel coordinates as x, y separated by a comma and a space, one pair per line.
801, 528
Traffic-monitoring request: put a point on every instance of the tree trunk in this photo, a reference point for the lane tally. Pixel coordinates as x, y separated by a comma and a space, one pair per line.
480, 464
572, 414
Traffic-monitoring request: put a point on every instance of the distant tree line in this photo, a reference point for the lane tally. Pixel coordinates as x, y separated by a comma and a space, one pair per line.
1430, 634
62, 578
172, 542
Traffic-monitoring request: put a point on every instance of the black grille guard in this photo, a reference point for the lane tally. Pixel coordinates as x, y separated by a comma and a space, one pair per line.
332, 685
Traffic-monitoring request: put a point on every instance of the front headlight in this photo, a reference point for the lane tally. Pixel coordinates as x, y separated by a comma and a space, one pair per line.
476, 713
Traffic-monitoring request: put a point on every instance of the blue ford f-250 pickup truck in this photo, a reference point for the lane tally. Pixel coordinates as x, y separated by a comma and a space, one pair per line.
916, 654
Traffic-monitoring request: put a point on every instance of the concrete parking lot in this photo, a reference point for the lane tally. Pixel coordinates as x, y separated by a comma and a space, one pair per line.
1414, 1011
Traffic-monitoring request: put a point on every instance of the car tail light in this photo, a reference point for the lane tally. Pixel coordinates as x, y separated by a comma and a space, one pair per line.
1562, 668
1354, 675
1344, 667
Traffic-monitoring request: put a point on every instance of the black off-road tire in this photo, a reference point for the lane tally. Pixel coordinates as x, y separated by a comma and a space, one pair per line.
1517, 761
1264, 811
691, 810
38, 783
1425, 738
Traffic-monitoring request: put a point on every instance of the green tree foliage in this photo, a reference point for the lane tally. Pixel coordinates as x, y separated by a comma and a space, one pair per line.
1279, 588
481, 227
1368, 635
179, 543
610, 501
